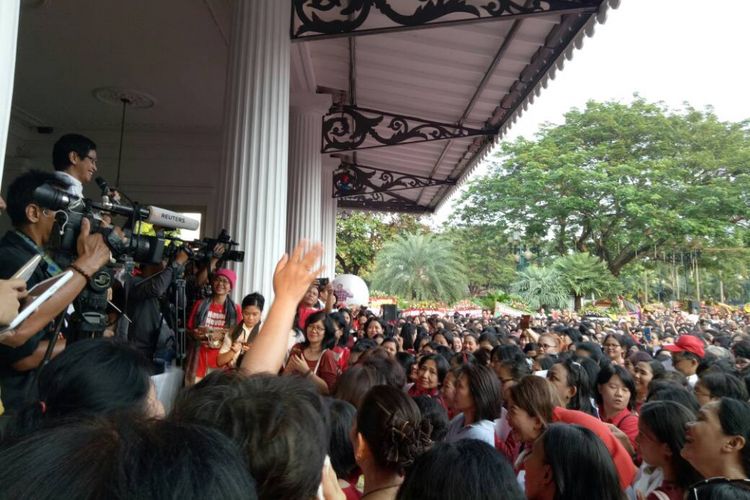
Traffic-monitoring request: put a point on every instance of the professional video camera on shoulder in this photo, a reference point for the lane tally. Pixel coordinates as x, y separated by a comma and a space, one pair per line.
129, 245
208, 248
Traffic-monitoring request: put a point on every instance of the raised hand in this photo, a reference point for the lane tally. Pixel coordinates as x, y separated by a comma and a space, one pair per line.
294, 273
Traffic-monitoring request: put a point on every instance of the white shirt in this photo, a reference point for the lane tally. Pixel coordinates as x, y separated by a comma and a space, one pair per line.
75, 187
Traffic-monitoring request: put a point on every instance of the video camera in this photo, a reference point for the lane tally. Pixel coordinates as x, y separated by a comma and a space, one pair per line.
133, 246
89, 318
205, 249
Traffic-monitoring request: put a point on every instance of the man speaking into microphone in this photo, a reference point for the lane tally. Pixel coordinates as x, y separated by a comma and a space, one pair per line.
74, 158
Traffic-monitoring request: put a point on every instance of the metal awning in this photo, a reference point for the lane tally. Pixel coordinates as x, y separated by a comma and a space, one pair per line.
421, 98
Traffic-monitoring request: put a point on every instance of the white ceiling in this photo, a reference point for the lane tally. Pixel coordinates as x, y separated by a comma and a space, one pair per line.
173, 50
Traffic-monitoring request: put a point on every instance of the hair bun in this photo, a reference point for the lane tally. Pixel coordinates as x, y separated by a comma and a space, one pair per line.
406, 441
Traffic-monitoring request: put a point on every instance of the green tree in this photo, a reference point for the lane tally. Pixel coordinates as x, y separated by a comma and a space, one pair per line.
542, 287
620, 180
488, 261
420, 267
584, 274
361, 235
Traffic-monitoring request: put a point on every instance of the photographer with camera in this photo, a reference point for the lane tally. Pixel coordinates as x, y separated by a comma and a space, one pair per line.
23, 349
144, 294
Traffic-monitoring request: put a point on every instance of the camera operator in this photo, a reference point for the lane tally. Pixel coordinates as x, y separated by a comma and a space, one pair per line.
23, 349
144, 294
197, 276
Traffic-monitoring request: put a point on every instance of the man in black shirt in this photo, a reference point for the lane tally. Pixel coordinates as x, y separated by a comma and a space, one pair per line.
23, 349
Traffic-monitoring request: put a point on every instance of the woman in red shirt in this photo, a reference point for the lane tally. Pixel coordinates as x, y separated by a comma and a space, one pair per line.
314, 358
616, 399
431, 373
209, 321
533, 404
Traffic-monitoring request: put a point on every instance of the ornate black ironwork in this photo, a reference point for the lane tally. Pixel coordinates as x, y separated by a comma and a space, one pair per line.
350, 127
351, 179
332, 18
382, 202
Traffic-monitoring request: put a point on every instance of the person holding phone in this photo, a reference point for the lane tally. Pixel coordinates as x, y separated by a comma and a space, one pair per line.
23, 349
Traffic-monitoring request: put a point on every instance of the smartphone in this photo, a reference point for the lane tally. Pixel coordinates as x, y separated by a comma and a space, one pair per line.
38, 295
647, 333
25, 271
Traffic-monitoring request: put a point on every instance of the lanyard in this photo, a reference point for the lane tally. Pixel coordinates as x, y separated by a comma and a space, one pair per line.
52, 267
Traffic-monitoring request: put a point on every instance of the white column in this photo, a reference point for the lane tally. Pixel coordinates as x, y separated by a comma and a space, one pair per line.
304, 200
253, 185
9, 10
328, 220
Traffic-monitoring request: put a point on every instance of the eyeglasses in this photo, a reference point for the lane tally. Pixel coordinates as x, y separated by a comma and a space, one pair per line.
546, 346
316, 328
743, 484
93, 160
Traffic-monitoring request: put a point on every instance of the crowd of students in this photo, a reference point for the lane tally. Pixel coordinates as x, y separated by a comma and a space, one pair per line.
325, 402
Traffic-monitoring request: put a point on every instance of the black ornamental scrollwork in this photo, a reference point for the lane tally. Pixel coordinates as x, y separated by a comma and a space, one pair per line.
316, 18
356, 180
349, 127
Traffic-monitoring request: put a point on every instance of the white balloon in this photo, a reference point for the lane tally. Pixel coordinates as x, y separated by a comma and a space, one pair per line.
351, 290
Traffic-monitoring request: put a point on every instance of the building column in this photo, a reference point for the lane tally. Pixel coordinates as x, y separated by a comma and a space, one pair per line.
304, 199
253, 181
9, 11
329, 206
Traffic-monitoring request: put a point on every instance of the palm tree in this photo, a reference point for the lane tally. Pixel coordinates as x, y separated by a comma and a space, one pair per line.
420, 267
541, 287
583, 274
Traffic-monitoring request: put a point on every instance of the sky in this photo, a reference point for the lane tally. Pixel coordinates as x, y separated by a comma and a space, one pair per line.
673, 51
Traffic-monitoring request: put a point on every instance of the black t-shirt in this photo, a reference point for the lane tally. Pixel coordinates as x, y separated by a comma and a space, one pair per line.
15, 251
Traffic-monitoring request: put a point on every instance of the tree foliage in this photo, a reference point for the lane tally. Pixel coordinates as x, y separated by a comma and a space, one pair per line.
361, 235
621, 180
583, 274
486, 257
542, 287
420, 267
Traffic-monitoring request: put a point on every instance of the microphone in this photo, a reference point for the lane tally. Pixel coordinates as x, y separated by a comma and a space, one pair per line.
155, 215
102, 185
167, 218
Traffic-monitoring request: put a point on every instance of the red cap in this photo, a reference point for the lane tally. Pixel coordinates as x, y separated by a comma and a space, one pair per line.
687, 343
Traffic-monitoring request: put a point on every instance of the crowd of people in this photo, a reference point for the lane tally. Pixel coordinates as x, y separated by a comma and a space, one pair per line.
322, 401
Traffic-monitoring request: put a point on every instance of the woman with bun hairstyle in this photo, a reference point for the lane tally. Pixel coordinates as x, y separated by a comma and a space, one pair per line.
534, 404
388, 436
